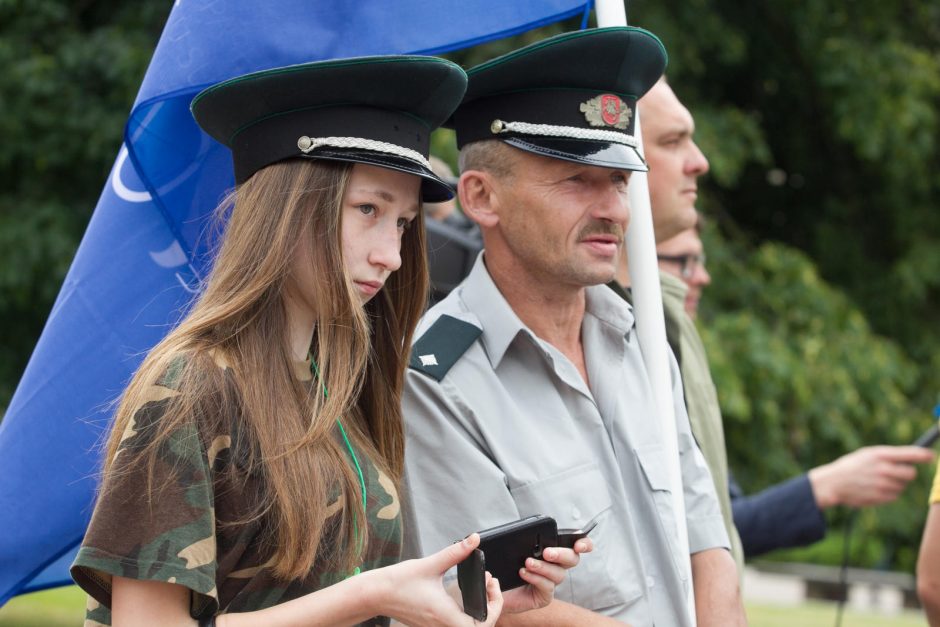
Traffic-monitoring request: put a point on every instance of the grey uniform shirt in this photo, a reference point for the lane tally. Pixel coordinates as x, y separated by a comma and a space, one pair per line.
511, 429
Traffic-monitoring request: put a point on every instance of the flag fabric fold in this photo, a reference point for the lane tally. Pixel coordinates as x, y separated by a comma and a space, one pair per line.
148, 243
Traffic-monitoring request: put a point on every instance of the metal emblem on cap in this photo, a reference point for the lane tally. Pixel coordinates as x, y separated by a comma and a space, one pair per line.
607, 110
304, 143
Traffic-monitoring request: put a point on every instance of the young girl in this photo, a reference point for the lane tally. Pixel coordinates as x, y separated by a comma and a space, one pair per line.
251, 474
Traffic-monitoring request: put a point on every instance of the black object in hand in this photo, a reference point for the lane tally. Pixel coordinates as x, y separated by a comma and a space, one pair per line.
928, 437
471, 578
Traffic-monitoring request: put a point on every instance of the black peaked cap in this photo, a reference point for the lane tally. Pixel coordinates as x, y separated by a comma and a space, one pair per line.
572, 96
283, 113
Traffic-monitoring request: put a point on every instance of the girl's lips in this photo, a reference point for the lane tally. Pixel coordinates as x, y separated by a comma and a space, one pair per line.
369, 288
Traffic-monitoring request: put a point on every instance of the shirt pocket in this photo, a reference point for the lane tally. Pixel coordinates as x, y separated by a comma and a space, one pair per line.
604, 577
653, 462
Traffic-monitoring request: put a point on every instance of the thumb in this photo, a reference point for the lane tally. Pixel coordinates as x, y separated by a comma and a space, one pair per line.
450, 556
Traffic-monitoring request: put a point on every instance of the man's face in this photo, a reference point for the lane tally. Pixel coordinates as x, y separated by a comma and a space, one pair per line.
674, 160
683, 256
563, 221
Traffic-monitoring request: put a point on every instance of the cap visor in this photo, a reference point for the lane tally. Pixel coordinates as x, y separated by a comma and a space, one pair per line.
433, 187
601, 154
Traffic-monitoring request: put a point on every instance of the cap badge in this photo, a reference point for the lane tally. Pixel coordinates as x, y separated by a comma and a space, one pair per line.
607, 110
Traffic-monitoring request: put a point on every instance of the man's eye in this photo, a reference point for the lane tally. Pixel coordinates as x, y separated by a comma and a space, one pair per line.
367, 209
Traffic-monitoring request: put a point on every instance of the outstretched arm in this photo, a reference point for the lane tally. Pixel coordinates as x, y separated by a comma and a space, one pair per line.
872, 475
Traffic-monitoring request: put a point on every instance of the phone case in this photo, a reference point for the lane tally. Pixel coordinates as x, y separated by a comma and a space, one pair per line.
471, 578
506, 547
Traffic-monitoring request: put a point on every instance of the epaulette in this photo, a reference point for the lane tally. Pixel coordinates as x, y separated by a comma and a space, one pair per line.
441, 346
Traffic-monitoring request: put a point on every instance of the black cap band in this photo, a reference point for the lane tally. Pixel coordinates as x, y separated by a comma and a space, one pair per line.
571, 108
275, 138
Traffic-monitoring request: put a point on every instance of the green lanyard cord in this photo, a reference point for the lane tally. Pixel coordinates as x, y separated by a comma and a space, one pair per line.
352, 454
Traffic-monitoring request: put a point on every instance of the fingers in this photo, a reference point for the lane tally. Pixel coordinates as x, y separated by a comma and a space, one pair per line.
494, 599
553, 572
894, 454
906, 454
584, 545
450, 556
566, 558
899, 472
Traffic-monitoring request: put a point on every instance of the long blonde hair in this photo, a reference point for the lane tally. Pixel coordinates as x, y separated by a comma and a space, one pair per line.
291, 426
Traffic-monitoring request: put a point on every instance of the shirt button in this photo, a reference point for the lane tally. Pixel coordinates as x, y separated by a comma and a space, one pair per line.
576, 513
650, 582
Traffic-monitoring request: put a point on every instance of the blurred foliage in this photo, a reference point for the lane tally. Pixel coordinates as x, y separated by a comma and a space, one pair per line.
821, 123
71, 70
802, 379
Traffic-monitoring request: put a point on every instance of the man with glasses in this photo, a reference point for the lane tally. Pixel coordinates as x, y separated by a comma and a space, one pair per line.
789, 513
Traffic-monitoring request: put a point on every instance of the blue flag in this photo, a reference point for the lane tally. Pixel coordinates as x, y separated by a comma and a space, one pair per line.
147, 244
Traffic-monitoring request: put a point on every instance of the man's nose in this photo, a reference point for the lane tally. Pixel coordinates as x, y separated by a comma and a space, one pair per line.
697, 164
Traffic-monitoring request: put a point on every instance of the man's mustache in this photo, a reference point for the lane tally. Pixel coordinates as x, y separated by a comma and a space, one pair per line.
602, 228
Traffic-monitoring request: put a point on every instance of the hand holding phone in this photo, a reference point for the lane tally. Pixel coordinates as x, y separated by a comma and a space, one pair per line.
503, 551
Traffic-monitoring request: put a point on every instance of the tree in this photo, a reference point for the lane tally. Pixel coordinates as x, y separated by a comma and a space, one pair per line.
71, 72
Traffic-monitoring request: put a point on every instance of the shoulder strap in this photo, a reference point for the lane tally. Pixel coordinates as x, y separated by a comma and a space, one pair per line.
435, 352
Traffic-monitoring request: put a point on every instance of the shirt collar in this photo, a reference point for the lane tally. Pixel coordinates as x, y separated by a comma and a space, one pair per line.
499, 322
501, 325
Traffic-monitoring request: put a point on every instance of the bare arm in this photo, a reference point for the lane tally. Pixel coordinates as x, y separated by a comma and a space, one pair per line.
558, 614
928, 567
717, 594
410, 591
872, 475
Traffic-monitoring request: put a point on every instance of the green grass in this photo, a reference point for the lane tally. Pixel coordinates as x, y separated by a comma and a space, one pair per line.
65, 607
823, 614
58, 607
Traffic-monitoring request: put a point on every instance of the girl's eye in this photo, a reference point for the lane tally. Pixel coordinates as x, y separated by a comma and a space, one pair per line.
367, 210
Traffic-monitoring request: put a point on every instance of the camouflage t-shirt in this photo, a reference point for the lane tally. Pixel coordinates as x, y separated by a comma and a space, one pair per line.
176, 536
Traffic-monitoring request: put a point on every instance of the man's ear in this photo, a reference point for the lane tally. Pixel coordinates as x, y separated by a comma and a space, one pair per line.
479, 199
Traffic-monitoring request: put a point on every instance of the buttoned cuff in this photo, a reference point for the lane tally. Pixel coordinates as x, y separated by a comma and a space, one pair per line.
707, 532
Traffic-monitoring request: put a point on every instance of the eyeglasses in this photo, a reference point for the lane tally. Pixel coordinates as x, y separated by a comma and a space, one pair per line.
687, 263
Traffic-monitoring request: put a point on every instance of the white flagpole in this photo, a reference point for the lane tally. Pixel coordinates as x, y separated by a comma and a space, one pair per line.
650, 323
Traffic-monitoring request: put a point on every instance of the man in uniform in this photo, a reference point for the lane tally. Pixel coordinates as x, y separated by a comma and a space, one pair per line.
789, 513
527, 392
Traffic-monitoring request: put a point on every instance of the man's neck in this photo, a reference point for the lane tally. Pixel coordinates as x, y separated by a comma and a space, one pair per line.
623, 270
553, 312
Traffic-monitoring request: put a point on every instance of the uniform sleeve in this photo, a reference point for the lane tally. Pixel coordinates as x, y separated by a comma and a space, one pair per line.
784, 515
705, 525
452, 487
169, 537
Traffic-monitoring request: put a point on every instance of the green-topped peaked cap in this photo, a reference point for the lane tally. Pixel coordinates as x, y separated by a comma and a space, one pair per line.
572, 96
375, 110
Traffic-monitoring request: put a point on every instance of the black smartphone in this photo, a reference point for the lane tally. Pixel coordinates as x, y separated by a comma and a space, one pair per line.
507, 546
471, 578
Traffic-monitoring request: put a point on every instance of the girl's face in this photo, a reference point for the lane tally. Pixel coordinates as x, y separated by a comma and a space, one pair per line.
378, 207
